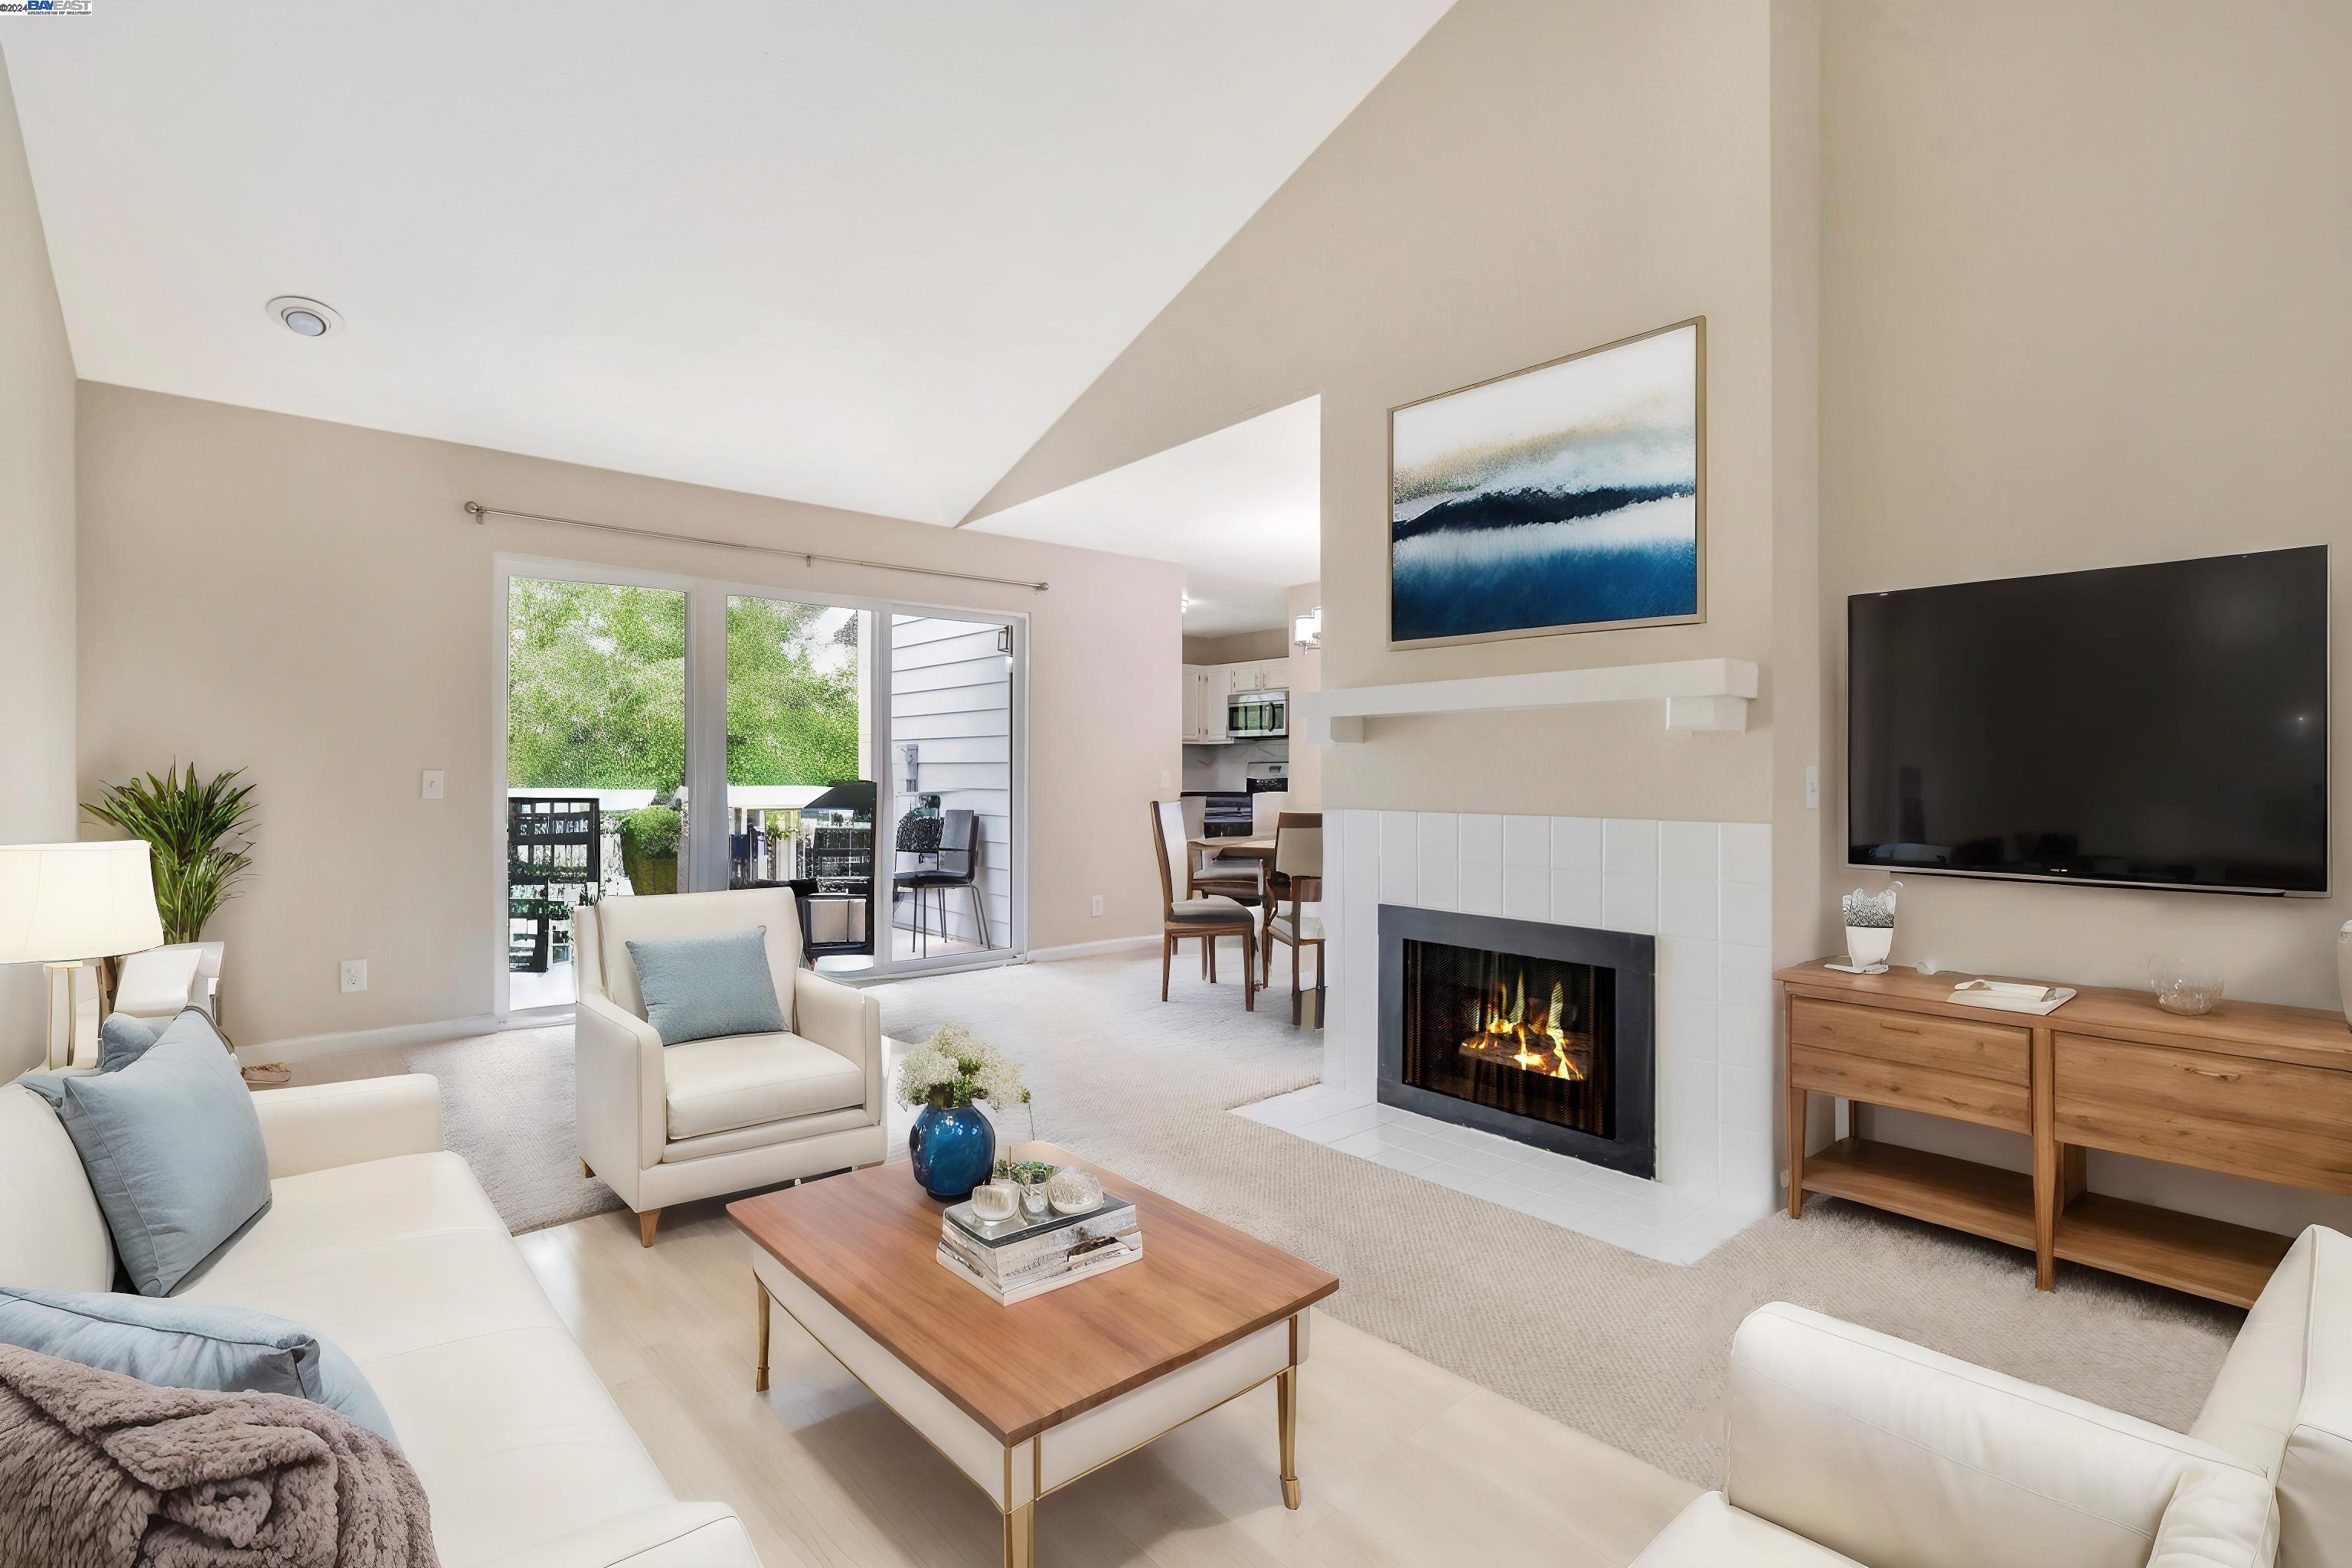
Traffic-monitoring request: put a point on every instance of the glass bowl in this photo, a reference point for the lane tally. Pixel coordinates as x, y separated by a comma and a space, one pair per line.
2184, 985
1072, 1191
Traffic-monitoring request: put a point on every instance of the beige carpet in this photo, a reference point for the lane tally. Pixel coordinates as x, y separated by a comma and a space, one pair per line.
1630, 1351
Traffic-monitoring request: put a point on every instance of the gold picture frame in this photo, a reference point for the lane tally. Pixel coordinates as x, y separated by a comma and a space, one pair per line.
1696, 326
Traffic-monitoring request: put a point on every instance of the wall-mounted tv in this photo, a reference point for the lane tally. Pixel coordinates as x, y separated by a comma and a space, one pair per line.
2149, 726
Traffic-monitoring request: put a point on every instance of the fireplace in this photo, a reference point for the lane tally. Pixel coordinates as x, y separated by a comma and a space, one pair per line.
1540, 1033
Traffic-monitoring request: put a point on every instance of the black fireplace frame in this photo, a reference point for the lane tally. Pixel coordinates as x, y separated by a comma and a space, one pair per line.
1635, 957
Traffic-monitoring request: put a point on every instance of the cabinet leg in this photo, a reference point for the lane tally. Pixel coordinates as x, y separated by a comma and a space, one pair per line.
2046, 1199
1796, 1152
1796, 1108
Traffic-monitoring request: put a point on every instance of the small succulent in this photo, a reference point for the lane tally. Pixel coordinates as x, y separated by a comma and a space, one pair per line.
1028, 1173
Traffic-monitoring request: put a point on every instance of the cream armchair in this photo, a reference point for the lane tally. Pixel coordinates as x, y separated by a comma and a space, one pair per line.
1844, 1447
664, 1125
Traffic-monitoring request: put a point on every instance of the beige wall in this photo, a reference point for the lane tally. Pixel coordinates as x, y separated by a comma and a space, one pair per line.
2084, 303
1537, 177
1305, 675
1272, 642
36, 562
307, 600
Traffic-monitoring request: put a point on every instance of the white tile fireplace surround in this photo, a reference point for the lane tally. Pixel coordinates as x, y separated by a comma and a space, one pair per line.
1703, 888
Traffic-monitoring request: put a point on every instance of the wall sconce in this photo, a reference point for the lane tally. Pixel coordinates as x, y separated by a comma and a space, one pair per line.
1306, 631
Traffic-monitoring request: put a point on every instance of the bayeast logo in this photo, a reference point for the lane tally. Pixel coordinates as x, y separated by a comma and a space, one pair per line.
46, 7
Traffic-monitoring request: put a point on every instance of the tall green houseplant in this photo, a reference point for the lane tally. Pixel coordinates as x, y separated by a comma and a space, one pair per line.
201, 830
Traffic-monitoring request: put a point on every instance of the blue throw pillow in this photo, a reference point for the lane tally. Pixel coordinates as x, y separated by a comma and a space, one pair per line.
121, 1040
699, 987
183, 1344
174, 1152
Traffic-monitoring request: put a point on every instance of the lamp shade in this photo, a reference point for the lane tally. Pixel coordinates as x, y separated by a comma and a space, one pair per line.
64, 903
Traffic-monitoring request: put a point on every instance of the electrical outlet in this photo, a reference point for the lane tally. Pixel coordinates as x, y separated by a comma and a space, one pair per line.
1097, 908
1812, 788
354, 975
432, 783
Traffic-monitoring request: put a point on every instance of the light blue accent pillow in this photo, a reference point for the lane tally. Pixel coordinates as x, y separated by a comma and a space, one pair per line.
174, 1152
699, 987
121, 1040
182, 1344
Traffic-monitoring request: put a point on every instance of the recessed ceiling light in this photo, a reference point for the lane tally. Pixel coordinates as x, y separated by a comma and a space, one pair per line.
307, 317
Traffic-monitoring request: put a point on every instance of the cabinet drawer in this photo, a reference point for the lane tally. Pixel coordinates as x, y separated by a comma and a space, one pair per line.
1987, 1101
1995, 1051
2274, 1121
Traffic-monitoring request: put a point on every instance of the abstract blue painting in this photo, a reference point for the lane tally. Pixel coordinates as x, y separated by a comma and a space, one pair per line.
1564, 498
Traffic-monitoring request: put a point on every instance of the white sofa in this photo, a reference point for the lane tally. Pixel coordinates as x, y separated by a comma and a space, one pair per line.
1844, 1445
382, 1241
664, 1125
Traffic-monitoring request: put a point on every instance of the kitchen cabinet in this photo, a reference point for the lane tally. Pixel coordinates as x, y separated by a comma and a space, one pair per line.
1254, 675
1205, 705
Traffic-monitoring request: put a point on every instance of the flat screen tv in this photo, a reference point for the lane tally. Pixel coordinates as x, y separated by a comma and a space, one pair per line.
2158, 726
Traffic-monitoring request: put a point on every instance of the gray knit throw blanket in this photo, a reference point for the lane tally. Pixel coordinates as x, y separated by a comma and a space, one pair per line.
99, 1470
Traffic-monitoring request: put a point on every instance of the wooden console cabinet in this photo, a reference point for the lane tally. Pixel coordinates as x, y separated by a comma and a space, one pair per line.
2251, 1088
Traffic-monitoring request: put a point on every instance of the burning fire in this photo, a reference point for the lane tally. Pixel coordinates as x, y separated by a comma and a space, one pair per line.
1505, 1033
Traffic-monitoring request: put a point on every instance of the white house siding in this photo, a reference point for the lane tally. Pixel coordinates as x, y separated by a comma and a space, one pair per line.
951, 693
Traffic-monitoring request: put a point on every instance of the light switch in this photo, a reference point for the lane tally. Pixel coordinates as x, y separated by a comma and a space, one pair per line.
1812, 789
432, 783
1166, 779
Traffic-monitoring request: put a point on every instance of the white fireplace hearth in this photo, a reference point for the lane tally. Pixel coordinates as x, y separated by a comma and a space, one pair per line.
1702, 889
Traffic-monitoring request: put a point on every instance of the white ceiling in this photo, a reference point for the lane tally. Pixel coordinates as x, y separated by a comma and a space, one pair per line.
858, 254
1240, 509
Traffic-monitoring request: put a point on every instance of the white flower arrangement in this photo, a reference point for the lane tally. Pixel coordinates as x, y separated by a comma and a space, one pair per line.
954, 1068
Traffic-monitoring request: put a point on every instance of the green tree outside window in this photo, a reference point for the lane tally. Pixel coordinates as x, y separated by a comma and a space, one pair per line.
596, 690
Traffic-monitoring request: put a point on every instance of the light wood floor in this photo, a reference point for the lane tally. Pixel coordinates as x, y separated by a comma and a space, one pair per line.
1402, 1463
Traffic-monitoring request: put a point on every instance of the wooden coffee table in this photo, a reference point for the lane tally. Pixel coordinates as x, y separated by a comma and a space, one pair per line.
1028, 1398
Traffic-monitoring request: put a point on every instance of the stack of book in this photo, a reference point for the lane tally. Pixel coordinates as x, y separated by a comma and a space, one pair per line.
1014, 1260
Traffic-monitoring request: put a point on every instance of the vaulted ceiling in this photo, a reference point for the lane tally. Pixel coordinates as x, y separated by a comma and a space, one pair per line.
860, 255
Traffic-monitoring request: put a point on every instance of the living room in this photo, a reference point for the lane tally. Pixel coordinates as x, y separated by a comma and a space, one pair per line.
584, 1227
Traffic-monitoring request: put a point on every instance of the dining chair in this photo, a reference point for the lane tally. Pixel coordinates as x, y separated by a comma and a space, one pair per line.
1298, 873
1206, 916
1266, 810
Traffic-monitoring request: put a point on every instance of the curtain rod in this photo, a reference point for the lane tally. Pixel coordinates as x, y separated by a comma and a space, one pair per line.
482, 514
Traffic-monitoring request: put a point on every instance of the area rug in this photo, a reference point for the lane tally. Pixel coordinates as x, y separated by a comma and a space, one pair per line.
1630, 1351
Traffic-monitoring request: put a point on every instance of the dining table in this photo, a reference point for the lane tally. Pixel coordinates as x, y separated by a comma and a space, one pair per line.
1251, 848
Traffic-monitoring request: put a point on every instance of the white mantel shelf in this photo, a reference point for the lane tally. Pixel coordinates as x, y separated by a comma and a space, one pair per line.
1698, 694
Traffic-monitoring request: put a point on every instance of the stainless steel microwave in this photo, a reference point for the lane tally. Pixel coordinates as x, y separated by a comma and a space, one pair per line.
1258, 715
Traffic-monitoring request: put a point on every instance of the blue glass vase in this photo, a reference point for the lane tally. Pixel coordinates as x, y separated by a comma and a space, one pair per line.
953, 1151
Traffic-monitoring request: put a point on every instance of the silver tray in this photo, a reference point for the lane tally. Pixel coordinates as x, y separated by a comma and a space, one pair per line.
1018, 1228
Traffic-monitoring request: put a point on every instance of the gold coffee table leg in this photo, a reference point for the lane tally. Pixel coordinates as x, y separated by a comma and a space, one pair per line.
759, 1378
1286, 1405
1021, 1537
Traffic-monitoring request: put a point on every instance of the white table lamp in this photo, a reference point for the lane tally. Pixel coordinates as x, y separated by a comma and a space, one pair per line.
63, 905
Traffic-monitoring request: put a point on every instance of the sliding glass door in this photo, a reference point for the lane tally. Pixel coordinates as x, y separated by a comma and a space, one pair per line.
596, 764
799, 734
950, 767
624, 693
